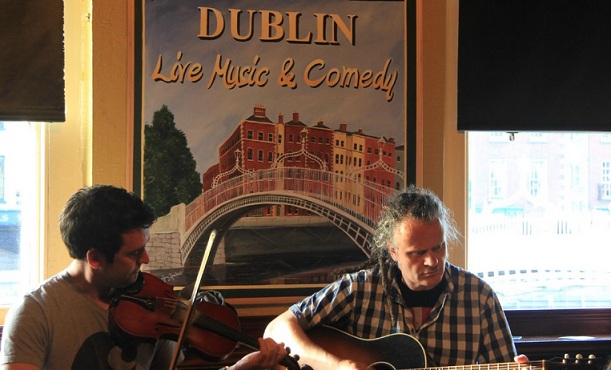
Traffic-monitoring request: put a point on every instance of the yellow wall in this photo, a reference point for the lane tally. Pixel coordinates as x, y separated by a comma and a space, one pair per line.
95, 144
442, 165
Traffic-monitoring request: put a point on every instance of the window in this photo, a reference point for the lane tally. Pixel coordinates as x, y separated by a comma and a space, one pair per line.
2, 197
498, 179
575, 178
538, 221
605, 182
538, 137
18, 209
497, 137
538, 169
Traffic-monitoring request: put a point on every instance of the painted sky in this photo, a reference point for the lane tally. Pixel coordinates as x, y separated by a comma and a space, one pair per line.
208, 114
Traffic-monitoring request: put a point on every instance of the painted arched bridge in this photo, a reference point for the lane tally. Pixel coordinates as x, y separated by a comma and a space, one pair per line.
351, 204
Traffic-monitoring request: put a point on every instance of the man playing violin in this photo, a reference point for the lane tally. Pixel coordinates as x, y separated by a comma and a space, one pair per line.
63, 324
408, 287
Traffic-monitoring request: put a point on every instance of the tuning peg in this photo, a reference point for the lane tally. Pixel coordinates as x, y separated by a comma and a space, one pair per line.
591, 359
565, 358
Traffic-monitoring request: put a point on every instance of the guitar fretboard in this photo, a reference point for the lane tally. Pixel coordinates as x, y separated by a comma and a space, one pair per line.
534, 365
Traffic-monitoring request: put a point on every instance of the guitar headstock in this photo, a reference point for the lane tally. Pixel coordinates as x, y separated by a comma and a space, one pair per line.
579, 362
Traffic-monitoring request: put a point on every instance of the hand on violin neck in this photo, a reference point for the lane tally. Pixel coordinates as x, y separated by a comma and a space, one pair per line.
269, 354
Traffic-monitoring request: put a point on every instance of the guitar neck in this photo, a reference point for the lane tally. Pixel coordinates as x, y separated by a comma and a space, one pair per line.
533, 365
566, 364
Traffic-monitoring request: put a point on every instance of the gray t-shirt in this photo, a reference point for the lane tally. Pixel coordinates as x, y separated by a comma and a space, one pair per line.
58, 328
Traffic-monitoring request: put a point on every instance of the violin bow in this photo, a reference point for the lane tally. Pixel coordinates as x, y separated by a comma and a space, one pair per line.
187, 319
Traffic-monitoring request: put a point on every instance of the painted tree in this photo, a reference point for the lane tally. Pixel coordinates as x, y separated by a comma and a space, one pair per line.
170, 175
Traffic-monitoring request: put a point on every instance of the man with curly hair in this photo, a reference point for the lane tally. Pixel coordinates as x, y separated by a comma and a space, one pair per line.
408, 286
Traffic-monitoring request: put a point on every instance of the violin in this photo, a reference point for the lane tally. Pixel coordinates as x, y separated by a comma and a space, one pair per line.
149, 310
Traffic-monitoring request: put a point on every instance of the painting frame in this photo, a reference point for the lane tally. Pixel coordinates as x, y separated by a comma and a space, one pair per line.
252, 298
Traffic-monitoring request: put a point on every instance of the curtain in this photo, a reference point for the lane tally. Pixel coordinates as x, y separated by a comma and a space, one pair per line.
534, 65
32, 60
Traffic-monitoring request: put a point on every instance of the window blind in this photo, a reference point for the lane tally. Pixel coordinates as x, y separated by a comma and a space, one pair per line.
534, 65
32, 60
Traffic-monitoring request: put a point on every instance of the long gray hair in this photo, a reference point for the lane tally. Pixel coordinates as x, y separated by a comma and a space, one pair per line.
414, 203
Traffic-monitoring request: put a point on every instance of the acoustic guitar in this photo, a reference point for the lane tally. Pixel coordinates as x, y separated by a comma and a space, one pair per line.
402, 351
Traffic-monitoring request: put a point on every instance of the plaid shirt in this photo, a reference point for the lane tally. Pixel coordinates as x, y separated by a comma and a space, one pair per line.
466, 326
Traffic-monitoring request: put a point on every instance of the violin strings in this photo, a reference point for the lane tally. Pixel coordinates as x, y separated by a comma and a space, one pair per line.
171, 305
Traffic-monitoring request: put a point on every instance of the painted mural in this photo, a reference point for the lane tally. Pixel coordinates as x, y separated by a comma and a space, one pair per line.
279, 124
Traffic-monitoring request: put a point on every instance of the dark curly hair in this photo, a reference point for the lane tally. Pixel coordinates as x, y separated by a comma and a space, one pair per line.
98, 216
